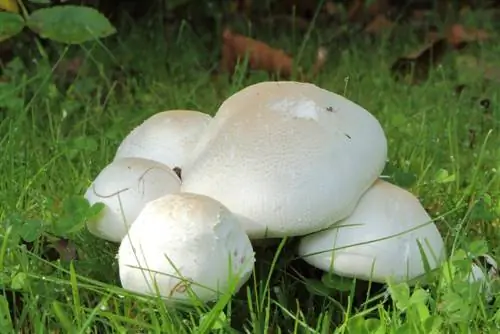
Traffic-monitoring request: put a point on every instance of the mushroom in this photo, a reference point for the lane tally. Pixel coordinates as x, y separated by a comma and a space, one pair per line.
288, 158
167, 137
124, 186
380, 240
186, 247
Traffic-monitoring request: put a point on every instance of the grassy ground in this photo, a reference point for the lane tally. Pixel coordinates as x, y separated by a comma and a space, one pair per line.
54, 141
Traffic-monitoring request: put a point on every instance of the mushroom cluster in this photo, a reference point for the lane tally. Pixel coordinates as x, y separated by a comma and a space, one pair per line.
187, 194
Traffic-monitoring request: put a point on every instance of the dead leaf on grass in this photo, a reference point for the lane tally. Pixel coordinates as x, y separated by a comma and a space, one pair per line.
261, 56
458, 35
415, 66
379, 24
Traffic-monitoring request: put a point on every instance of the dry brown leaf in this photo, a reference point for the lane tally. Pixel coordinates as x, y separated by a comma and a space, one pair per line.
428, 49
379, 24
419, 61
261, 56
458, 34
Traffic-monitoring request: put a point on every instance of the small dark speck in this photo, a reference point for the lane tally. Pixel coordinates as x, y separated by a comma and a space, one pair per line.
178, 171
347, 135
330, 109
485, 103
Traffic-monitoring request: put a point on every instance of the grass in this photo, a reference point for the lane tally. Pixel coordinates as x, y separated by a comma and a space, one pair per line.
55, 137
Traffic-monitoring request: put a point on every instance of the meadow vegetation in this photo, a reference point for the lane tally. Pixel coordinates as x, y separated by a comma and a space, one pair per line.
60, 124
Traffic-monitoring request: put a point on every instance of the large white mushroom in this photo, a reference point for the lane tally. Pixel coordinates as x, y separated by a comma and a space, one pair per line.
124, 186
183, 246
380, 240
167, 137
289, 158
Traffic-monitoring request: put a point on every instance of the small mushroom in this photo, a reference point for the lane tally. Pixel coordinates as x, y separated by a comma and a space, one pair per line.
184, 246
288, 158
167, 137
380, 240
124, 186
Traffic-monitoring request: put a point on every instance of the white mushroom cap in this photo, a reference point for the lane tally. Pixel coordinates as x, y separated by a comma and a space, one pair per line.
124, 186
181, 238
289, 158
372, 244
167, 137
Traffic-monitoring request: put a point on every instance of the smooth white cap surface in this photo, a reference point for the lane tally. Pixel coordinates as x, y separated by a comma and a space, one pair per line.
384, 212
125, 186
289, 158
167, 137
189, 236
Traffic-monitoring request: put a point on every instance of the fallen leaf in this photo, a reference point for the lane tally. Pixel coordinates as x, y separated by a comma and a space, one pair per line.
379, 24
261, 56
415, 66
458, 35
